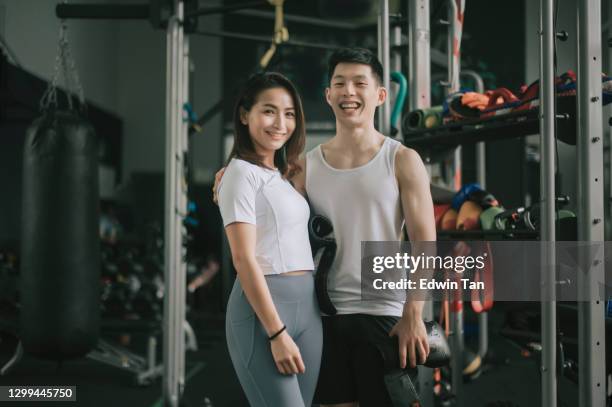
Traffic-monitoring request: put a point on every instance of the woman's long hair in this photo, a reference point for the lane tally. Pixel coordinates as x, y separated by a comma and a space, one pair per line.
285, 158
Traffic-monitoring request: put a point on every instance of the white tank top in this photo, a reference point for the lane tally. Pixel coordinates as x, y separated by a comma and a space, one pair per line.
252, 194
363, 204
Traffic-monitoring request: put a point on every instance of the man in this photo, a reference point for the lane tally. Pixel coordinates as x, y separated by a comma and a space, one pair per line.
368, 185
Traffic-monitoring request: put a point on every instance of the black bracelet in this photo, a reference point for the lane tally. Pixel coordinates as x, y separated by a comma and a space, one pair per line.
271, 338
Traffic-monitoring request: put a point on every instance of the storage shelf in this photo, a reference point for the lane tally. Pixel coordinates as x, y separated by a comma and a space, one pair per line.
511, 125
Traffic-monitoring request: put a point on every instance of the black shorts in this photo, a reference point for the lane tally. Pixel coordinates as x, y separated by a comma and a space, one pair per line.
352, 367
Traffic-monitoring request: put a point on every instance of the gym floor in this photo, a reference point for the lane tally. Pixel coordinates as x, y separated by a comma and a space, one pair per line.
509, 378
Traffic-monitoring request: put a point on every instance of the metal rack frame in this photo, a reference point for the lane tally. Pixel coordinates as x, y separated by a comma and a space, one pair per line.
590, 175
419, 82
591, 322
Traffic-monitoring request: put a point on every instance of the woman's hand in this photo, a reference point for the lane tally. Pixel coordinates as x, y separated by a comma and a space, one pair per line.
287, 355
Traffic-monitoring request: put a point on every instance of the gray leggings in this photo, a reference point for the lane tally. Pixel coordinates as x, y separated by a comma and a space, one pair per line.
249, 347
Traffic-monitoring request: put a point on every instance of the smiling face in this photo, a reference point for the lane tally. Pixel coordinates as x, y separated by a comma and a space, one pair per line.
354, 94
271, 120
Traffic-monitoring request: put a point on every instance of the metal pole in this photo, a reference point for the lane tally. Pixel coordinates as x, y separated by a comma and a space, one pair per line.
383, 54
140, 11
453, 79
396, 66
183, 204
419, 97
453, 60
291, 18
174, 273
379, 35
264, 39
547, 186
480, 147
170, 393
591, 328
483, 321
608, 116
457, 347
456, 307
419, 62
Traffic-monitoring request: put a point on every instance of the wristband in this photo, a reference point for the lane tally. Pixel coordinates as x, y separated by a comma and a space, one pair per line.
271, 338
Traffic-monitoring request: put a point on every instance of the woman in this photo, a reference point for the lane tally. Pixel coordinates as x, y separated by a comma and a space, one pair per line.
273, 326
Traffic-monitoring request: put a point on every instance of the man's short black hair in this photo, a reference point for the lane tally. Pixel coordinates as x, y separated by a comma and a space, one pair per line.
355, 56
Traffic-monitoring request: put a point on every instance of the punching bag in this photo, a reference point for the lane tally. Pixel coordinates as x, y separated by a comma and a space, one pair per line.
60, 273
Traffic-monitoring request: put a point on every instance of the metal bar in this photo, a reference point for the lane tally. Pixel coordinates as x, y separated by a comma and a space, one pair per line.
608, 115
453, 79
396, 66
419, 96
480, 147
591, 328
453, 63
483, 317
181, 193
152, 352
419, 70
191, 340
456, 314
103, 11
458, 178
481, 178
263, 38
174, 273
547, 198
457, 348
396, 55
226, 9
383, 55
316, 22
479, 87
170, 392
379, 111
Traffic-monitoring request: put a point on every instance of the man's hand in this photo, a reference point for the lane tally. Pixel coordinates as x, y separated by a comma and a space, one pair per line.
218, 177
412, 338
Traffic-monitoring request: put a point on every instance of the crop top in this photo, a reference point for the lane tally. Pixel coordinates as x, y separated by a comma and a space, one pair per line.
260, 196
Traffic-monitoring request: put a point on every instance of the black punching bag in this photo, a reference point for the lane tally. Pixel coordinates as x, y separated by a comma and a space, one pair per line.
60, 273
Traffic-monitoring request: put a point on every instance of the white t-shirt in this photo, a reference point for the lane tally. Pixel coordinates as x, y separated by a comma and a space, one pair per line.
252, 194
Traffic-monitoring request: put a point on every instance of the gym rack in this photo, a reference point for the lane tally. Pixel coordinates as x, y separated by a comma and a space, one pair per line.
589, 168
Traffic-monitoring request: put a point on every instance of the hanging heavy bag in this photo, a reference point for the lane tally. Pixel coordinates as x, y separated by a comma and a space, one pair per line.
60, 273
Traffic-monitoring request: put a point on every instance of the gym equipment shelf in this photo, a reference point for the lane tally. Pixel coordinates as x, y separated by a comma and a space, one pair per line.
511, 125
